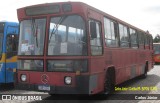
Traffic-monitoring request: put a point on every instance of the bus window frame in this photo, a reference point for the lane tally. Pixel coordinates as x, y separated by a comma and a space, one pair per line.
2, 47
101, 36
20, 69
41, 17
116, 33
151, 42
86, 32
146, 41
11, 53
141, 40
131, 43
128, 42
73, 71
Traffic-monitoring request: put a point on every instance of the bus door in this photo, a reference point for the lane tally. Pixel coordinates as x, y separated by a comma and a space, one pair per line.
2, 74
11, 54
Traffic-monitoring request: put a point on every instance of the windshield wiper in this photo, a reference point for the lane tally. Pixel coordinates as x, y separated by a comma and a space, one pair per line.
55, 28
34, 30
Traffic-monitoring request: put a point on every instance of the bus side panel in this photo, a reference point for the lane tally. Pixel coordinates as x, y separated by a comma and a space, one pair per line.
157, 58
10, 71
97, 71
149, 58
2, 73
3, 65
11, 62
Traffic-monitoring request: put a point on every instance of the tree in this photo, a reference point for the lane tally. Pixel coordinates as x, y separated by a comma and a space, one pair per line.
156, 39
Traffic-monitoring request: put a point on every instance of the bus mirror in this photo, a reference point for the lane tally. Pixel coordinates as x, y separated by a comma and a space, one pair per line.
93, 30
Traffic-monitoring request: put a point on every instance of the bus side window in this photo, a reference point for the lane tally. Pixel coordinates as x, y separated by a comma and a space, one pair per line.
141, 40
146, 42
151, 42
111, 33
12, 45
124, 37
96, 37
133, 36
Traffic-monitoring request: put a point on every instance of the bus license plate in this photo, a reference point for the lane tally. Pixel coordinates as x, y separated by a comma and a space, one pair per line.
44, 87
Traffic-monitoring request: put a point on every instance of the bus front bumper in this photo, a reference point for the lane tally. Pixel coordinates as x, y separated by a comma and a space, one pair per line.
52, 89
84, 85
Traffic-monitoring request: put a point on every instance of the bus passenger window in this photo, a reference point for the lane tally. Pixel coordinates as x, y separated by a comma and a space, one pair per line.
96, 40
111, 36
141, 40
151, 42
133, 36
12, 45
124, 38
146, 41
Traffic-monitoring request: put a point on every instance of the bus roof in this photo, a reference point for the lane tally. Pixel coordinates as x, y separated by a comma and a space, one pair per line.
5, 21
92, 8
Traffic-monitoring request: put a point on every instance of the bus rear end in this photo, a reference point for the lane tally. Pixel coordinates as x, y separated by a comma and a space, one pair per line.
8, 51
53, 49
156, 56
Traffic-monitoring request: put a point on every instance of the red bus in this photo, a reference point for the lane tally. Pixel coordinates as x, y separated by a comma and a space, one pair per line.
156, 47
73, 48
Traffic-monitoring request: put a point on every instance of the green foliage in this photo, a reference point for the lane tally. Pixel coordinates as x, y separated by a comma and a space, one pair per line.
156, 39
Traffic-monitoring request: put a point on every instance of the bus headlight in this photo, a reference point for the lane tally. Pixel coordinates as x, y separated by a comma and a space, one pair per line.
23, 77
68, 80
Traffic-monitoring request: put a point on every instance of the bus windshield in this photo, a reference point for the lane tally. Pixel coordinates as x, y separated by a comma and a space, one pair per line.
156, 48
32, 33
67, 36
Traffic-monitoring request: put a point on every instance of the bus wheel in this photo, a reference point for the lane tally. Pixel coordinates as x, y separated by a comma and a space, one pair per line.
108, 86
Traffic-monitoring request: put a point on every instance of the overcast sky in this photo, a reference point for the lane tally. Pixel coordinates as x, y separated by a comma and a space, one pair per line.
144, 14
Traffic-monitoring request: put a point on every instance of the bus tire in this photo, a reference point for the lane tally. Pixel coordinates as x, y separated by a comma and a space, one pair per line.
108, 85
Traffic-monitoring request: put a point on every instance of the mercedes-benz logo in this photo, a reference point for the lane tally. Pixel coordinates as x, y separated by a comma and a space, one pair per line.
44, 78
